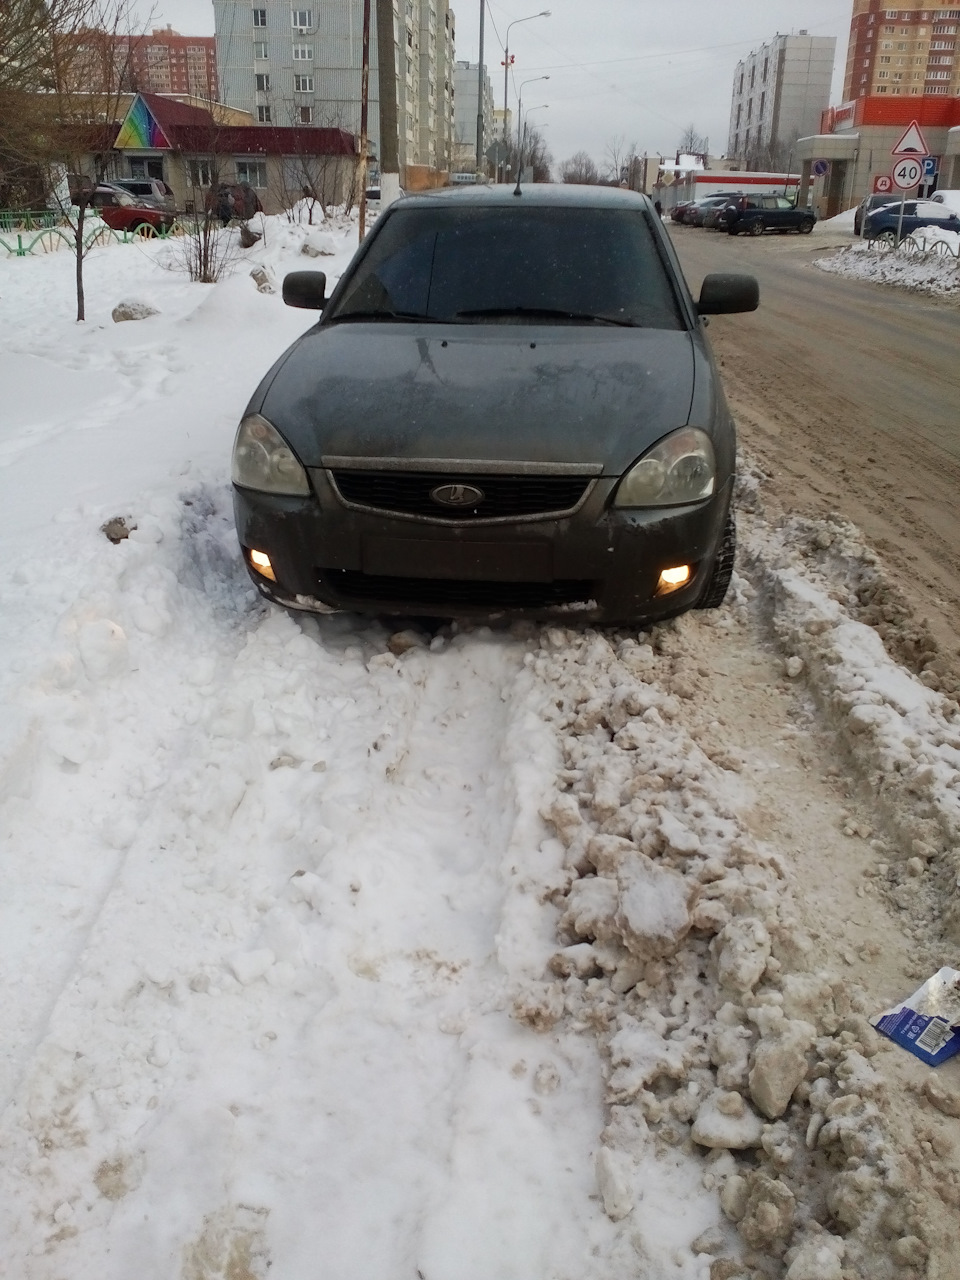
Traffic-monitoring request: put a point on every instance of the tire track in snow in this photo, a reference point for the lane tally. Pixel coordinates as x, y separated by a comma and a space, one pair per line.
288, 1030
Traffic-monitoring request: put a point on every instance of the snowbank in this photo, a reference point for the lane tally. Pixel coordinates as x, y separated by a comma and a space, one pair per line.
929, 273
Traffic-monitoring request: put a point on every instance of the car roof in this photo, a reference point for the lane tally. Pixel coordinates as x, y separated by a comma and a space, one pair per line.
544, 194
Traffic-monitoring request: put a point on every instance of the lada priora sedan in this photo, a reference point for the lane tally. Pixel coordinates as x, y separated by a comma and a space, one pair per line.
508, 407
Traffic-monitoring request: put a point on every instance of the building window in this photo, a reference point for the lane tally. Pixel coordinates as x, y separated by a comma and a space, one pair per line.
301, 18
303, 84
200, 173
253, 172
305, 115
260, 50
259, 17
263, 83
263, 115
303, 53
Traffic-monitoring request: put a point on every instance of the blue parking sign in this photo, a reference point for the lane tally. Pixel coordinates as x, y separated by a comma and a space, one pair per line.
929, 166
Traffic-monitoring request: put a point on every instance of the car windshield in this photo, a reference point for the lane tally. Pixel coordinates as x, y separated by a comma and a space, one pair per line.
513, 265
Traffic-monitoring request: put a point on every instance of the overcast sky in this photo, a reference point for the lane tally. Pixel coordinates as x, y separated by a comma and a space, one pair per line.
636, 70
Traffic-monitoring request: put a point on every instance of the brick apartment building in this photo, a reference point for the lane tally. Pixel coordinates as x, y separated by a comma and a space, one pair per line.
902, 66
167, 62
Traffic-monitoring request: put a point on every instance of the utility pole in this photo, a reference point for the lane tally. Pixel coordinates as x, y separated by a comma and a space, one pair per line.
480, 86
389, 125
364, 115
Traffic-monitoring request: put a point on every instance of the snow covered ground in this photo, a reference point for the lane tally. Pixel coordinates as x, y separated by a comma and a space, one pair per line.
330, 948
933, 268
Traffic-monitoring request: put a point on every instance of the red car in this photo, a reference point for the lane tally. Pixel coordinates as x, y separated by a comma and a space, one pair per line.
121, 211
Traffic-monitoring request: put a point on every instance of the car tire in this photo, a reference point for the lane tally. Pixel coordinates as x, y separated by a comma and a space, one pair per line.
756, 228
888, 238
722, 570
806, 226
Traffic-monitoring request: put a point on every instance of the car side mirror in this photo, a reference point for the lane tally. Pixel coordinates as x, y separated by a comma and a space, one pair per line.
306, 289
723, 294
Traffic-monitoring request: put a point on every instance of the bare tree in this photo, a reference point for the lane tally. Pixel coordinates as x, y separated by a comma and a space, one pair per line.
64, 68
209, 246
305, 180
775, 156
538, 156
693, 144
580, 169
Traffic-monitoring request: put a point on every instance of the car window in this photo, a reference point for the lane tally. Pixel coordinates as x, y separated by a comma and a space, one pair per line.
444, 264
784, 203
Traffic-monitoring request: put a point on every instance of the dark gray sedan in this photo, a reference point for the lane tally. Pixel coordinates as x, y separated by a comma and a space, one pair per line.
508, 407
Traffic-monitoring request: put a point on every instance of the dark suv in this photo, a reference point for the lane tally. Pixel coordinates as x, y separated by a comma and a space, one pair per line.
757, 214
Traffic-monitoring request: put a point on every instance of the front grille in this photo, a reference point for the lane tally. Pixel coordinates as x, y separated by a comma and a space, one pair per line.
350, 584
504, 497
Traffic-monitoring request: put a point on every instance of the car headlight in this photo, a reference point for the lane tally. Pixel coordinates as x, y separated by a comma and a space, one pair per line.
681, 468
263, 460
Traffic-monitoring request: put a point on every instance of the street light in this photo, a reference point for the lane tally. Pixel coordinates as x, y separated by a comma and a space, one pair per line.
544, 13
520, 102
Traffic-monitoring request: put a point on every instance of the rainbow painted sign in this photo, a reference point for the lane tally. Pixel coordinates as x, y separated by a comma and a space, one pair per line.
140, 131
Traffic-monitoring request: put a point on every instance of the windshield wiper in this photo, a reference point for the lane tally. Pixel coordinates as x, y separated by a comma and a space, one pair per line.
544, 313
389, 315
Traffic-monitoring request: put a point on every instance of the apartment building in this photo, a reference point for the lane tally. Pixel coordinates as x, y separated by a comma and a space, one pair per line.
167, 62
466, 82
292, 65
779, 93
910, 51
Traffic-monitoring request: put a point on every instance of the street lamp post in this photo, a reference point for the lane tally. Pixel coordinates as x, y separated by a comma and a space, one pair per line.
544, 13
520, 102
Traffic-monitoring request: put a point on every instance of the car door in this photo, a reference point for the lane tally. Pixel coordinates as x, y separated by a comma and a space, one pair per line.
788, 215
772, 219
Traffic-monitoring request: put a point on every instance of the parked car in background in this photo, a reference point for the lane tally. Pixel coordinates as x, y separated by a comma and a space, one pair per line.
753, 215
508, 408
123, 212
148, 192
950, 198
678, 210
867, 205
711, 219
694, 214
885, 224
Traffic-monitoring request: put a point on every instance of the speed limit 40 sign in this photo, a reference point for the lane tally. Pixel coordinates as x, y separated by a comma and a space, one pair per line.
907, 173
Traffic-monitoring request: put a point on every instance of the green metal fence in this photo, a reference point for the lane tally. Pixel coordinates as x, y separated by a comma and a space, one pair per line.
20, 238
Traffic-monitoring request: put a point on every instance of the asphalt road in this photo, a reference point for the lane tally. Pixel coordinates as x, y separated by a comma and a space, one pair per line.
848, 395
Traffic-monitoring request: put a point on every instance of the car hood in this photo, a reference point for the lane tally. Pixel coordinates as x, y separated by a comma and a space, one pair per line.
479, 393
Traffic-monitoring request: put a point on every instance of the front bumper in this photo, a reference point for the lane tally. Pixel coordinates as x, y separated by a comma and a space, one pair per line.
597, 564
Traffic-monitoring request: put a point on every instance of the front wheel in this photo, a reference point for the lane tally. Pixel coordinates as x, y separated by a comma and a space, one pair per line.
722, 571
888, 239
806, 226
756, 228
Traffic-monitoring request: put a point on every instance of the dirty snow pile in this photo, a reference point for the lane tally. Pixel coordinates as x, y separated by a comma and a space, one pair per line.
685, 953
934, 267
398, 952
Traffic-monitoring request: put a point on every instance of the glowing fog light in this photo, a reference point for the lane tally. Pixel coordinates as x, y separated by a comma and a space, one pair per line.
261, 562
673, 579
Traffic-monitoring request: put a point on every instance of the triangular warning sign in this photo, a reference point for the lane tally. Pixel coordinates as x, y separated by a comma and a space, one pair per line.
912, 143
